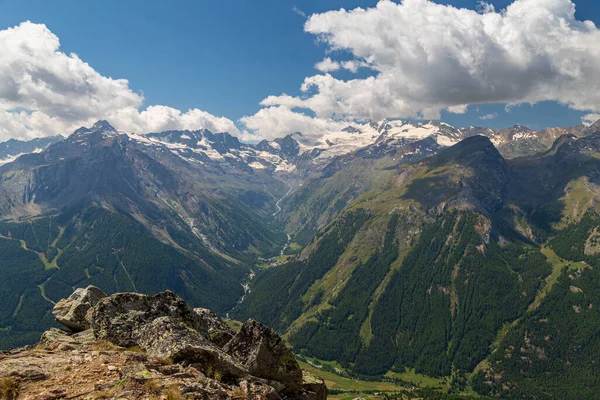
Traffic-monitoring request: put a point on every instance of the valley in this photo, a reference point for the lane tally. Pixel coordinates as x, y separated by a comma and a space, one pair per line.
420, 259
300, 200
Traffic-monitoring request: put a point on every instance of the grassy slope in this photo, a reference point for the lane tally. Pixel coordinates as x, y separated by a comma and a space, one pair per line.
334, 381
95, 252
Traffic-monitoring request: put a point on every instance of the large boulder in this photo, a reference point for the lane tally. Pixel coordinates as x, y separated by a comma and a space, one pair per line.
264, 354
71, 312
121, 317
220, 333
166, 338
60, 340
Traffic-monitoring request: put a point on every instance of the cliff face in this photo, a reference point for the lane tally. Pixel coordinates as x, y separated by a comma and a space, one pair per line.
133, 346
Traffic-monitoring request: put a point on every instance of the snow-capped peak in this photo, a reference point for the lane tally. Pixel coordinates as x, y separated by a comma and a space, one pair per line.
102, 127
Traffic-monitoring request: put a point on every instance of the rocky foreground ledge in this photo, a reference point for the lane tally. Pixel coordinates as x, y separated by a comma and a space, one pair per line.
135, 346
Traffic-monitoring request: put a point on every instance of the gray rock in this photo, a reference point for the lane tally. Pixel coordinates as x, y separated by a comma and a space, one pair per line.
166, 338
220, 333
30, 373
166, 327
265, 355
120, 317
71, 312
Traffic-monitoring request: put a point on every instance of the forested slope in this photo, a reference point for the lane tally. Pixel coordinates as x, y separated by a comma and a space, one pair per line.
451, 272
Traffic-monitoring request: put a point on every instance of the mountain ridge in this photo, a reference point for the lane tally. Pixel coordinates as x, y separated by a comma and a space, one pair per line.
404, 237
441, 258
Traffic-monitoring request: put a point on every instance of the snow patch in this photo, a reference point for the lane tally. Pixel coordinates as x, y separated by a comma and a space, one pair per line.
257, 165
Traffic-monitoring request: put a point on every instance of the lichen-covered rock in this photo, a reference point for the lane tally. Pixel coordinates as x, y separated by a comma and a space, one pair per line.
141, 346
57, 339
313, 387
166, 338
120, 317
220, 333
71, 312
265, 355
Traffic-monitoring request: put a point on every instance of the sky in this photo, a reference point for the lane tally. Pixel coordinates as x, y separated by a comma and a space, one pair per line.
263, 69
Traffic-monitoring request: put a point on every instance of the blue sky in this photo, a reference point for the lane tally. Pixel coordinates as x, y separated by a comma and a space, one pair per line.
225, 56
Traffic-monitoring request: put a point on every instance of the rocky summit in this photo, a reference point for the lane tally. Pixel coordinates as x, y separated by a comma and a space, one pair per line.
135, 346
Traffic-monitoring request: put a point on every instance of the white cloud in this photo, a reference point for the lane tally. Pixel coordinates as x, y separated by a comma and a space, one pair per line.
427, 57
458, 108
589, 119
423, 57
299, 12
488, 116
327, 65
274, 122
161, 118
484, 7
353, 65
44, 91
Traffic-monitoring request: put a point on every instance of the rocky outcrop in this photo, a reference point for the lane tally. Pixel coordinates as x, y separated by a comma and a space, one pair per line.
71, 312
219, 332
265, 354
121, 317
156, 346
166, 338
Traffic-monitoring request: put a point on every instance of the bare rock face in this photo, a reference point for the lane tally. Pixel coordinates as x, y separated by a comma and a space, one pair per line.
219, 332
121, 317
265, 355
71, 312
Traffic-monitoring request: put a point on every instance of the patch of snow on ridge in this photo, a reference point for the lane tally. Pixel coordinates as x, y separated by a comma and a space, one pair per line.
284, 166
446, 141
337, 143
257, 165
139, 138
410, 131
10, 159
521, 135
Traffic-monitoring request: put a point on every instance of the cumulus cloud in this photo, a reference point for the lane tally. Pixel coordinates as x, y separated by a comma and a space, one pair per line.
427, 57
353, 65
589, 119
161, 118
327, 65
422, 58
273, 122
488, 116
44, 91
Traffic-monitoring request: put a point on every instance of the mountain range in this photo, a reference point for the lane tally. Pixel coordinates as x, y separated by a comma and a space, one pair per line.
462, 261
13, 148
387, 247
